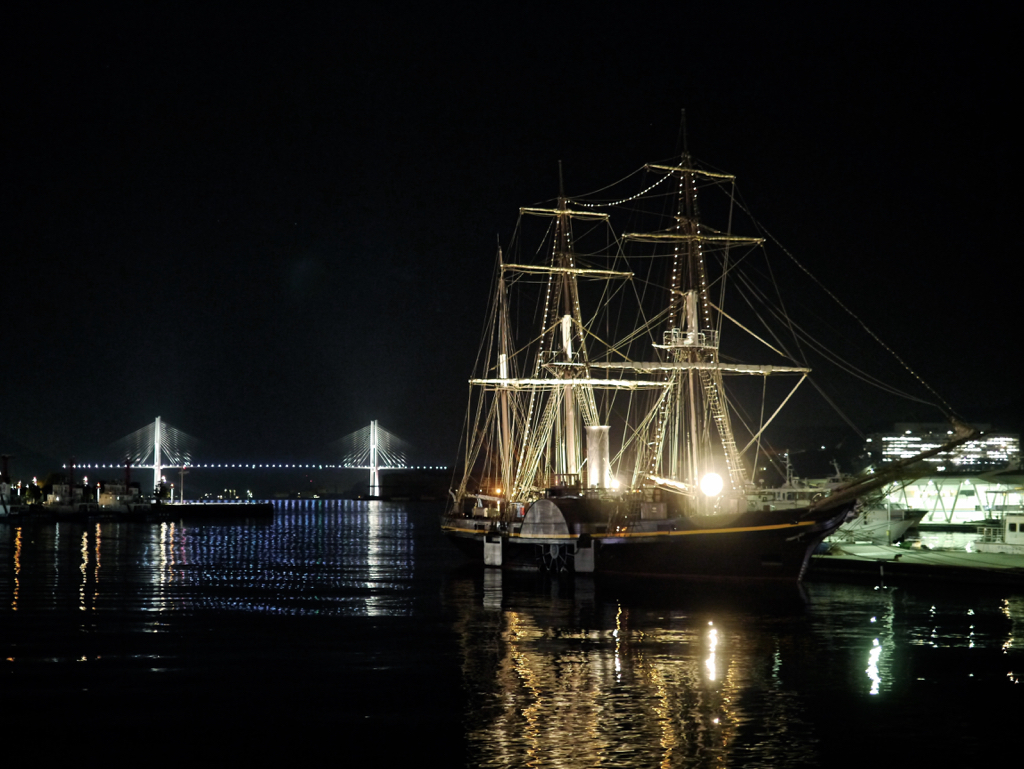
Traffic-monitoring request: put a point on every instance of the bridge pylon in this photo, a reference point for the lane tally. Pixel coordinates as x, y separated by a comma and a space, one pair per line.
373, 448
157, 445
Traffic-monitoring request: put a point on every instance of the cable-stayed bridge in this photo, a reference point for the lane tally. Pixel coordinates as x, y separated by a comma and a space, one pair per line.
365, 449
159, 446
156, 446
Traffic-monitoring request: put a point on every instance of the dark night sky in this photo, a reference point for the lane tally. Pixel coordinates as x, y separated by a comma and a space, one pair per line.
272, 225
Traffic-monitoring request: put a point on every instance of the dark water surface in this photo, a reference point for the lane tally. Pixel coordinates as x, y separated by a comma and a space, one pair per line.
352, 627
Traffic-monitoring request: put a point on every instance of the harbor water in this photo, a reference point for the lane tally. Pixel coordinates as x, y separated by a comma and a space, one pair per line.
353, 627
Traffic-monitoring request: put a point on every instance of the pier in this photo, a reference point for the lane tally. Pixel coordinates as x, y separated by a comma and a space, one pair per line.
882, 563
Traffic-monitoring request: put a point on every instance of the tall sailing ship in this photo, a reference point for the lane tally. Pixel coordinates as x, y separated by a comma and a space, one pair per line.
598, 340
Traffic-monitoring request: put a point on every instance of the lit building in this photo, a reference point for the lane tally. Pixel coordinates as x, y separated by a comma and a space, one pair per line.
978, 480
991, 451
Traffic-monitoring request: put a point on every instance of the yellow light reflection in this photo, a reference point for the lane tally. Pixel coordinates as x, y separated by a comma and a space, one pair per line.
84, 568
709, 663
17, 568
96, 569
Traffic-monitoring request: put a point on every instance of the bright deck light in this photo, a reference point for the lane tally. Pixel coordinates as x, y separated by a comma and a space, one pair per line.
711, 484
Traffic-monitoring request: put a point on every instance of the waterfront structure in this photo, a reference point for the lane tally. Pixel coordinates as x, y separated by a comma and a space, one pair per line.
979, 481
962, 498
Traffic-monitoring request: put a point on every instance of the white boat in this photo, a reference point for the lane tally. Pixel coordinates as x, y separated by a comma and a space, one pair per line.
1007, 538
122, 498
6, 508
599, 434
880, 523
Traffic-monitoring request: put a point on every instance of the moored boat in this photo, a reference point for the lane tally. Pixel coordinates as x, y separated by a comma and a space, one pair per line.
558, 378
1008, 537
880, 523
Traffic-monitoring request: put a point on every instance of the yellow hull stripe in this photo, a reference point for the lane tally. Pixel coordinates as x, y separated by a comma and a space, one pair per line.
624, 534
735, 530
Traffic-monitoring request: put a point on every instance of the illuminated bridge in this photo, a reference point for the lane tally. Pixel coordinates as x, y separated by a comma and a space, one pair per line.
159, 446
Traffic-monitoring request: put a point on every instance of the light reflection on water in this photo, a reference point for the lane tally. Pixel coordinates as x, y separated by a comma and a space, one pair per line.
569, 676
364, 607
345, 558
571, 681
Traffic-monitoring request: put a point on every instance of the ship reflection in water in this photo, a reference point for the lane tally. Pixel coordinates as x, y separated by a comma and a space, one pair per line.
563, 674
345, 623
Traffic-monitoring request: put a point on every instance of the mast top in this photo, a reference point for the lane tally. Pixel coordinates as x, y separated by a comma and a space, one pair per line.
685, 149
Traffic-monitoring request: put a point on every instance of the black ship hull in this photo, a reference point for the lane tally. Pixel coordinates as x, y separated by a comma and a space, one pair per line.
773, 544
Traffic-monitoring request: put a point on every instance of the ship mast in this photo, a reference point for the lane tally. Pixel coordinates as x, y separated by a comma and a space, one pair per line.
563, 353
694, 403
570, 312
505, 436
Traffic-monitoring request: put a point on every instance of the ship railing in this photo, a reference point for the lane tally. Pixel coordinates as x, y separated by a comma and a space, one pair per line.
558, 484
990, 534
598, 492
